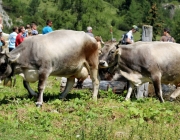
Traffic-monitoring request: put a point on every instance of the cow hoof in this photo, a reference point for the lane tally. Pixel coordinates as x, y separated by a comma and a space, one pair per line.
38, 105
95, 99
62, 98
127, 99
171, 99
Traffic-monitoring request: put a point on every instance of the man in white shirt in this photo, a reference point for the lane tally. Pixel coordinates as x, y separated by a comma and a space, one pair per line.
12, 38
130, 38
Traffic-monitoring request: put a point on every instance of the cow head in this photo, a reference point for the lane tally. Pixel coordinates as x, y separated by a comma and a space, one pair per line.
5, 63
107, 56
109, 53
5, 69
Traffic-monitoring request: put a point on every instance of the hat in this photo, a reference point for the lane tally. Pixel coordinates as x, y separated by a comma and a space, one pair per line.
135, 27
34, 32
89, 28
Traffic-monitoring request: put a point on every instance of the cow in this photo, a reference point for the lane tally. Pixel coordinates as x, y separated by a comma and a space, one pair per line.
106, 73
156, 62
67, 53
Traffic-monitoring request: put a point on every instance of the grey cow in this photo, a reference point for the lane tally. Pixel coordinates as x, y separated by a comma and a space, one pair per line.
67, 53
156, 62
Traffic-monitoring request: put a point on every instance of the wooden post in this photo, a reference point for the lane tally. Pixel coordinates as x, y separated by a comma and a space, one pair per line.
147, 32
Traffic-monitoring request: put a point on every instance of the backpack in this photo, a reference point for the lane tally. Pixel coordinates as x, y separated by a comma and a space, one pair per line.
169, 39
123, 39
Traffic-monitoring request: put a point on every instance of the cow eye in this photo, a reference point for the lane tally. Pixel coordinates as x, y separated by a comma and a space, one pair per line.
112, 51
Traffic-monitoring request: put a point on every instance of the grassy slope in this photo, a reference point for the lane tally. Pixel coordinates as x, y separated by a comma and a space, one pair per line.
109, 118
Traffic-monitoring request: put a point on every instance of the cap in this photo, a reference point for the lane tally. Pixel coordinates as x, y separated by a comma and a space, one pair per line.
34, 32
135, 27
89, 28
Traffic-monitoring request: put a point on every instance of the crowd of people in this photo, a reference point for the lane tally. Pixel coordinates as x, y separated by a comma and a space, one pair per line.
20, 33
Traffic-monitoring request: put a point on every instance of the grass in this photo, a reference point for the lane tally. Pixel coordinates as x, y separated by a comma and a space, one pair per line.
110, 118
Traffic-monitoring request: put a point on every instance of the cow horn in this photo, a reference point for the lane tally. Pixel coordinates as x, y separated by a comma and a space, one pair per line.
3, 51
101, 40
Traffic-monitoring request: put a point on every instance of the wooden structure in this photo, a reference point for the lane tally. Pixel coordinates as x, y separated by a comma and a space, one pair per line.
147, 33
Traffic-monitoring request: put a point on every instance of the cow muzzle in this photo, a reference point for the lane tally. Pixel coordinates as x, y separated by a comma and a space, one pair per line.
103, 64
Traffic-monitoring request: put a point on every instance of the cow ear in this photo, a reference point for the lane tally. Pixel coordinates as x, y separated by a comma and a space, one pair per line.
118, 51
14, 58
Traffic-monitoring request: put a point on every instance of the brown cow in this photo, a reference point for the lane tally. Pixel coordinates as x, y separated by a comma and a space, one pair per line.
63, 53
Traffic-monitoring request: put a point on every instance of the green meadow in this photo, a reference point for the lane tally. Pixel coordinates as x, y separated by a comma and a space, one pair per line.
80, 118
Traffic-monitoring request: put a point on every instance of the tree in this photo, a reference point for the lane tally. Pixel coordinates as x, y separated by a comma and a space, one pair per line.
33, 7
176, 28
134, 14
154, 20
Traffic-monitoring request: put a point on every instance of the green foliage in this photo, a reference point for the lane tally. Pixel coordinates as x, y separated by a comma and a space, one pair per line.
33, 7
154, 20
100, 14
176, 29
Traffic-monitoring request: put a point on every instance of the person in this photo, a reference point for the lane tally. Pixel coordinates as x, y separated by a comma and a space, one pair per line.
166, 36
29, 32
20, 37
89, 31
27, 28
47, 28
2, 41
34, 29
128, 38
12, 38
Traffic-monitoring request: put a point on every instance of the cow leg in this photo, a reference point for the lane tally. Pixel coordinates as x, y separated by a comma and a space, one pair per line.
79, 84
69, 85
29, 89
95, 81
130, 89
175, 94
156, 78
41, 86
